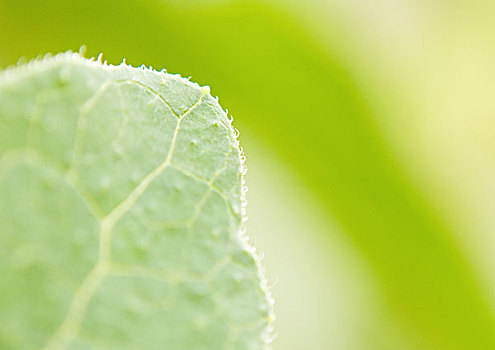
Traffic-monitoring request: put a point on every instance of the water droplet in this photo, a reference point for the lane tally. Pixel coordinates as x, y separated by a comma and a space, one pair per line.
135, 177
135, 305
64, 77
216, 232
201, 322
105, 182
238, 277
79, 236
119, 150
48, 184
236, 208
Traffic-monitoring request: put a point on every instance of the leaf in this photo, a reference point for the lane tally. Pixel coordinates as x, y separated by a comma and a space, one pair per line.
121, 214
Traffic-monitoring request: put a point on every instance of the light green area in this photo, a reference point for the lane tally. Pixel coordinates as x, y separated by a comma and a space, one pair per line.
121, 214
383, 111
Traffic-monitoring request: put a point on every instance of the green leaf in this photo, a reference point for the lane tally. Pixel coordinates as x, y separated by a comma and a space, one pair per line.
121, 214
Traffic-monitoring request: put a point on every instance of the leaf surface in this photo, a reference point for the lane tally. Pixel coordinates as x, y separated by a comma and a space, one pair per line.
121, 213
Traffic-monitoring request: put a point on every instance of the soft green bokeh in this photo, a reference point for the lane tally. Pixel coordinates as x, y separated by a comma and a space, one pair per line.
121, 210
383, 111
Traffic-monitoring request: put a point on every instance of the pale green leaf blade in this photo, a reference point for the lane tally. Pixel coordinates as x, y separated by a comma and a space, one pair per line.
121, 214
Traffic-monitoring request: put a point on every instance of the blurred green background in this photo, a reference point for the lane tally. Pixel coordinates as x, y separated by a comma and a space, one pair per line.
369, 128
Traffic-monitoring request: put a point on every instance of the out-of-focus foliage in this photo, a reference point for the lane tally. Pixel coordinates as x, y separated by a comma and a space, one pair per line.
361, 107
